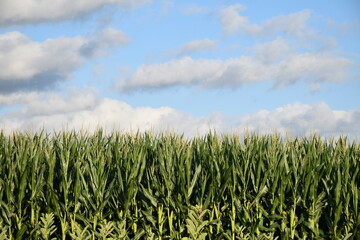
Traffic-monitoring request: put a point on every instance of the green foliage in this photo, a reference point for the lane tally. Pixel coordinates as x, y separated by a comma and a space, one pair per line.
4, 232
47, 227
70, 185
195, 223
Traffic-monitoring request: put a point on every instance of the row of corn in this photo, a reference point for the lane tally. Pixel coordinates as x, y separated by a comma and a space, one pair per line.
74, 185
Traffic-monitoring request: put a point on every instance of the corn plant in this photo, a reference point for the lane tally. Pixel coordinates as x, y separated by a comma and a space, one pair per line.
77, 185
47, 227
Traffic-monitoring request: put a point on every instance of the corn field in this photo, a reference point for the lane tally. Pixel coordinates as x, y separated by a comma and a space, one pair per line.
73, 185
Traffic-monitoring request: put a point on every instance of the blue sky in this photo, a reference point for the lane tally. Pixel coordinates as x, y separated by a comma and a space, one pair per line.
189, 66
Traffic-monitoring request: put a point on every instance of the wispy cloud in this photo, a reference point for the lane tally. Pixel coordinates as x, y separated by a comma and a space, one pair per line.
34, 11
166, 6
192, 47
30, 65
196, 46
193, 9
233, 22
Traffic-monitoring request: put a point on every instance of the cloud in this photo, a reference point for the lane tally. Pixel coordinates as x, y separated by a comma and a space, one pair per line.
29, 65
196, 46
313, 68
106, 39
81, 109
298, 119
273, 51
192, 47
273, 61
34, 11
166, 6
193, 9
201, 72
233, 22
18, 98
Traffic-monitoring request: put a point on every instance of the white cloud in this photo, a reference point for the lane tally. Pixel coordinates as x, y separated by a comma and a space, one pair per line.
203, 72
299, 119
18, 98
232, 22
192, 47
34, 11
273, 61
27, 65
50, 104
313, 68
196, 46
84, 109
106, 39
273, 51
